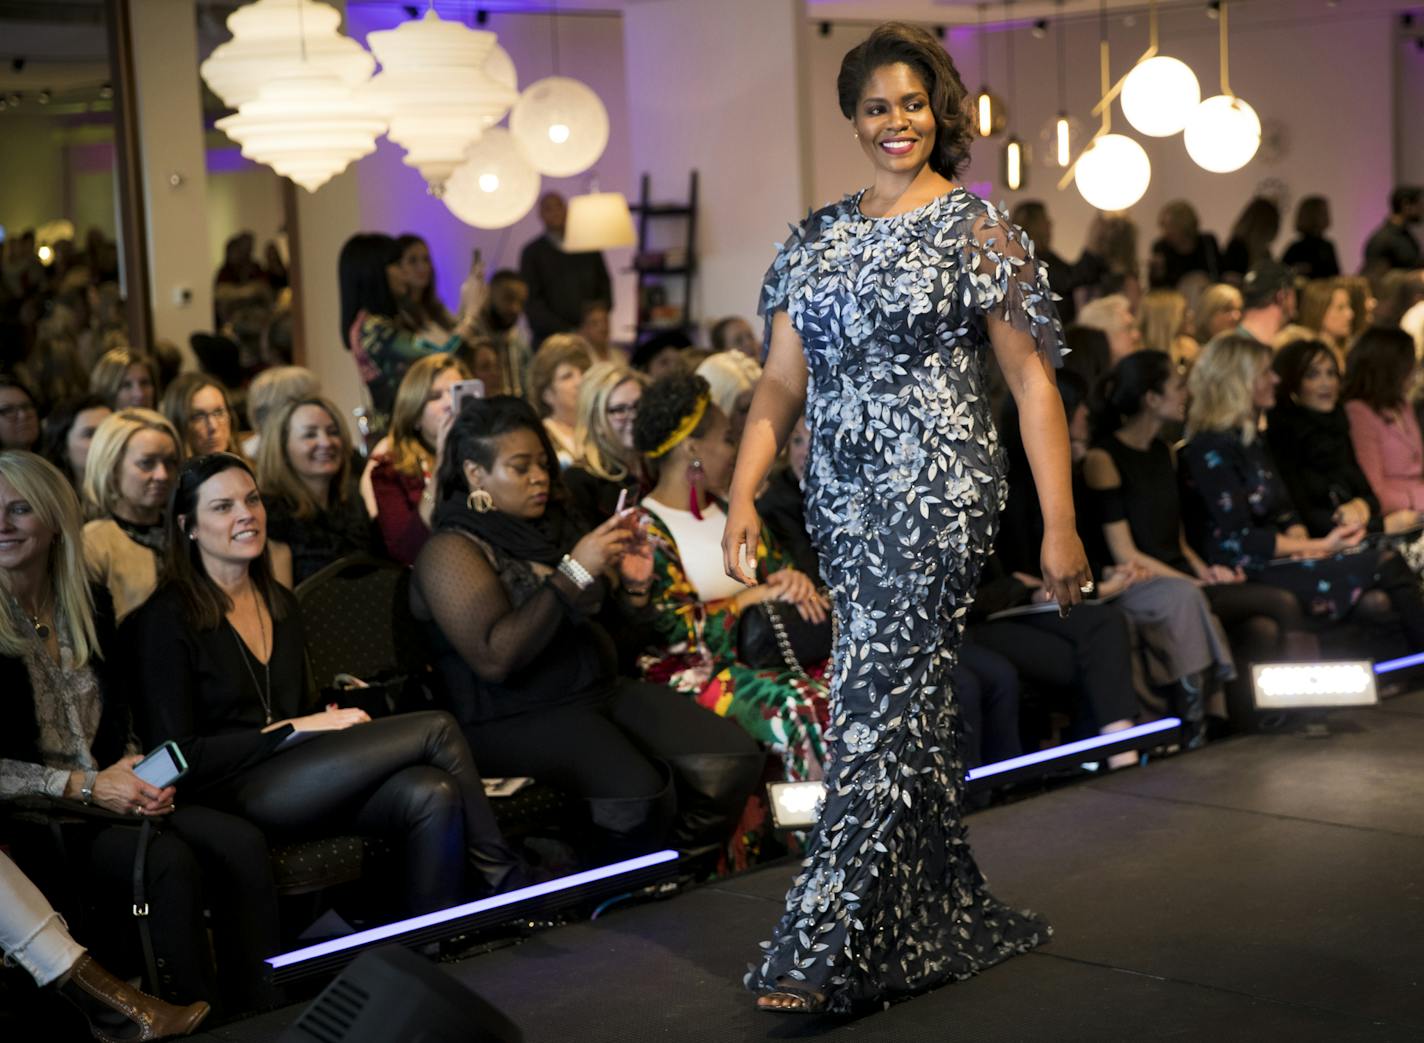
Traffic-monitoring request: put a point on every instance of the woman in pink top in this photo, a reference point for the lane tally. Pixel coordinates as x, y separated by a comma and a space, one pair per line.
1383, 426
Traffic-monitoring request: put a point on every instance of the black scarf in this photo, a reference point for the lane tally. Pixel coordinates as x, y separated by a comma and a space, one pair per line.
545, 540
154, 537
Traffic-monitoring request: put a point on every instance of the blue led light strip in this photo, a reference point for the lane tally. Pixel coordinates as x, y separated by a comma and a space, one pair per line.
1399, 664
1072, 749
455, 912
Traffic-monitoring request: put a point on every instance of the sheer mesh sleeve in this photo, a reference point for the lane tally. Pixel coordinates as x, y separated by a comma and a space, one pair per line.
1006, 281
776, 285
473, 611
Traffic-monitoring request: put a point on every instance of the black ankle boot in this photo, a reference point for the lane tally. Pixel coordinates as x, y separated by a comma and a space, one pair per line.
1191, 708
712, 789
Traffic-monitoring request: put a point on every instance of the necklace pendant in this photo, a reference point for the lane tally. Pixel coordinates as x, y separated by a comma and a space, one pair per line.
42, 631
269, 718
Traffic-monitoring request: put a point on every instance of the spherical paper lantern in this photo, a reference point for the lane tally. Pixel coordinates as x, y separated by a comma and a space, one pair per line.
495, 186
1160, 95
1223, 134
1113, 172
561, 126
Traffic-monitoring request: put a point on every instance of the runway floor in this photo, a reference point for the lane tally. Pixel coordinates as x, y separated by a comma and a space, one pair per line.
1266, 888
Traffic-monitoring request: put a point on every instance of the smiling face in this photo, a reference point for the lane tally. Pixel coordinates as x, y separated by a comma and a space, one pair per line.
81, 434
136, 389
24, 539
1320, 387
146, 473
209, 423
518, 477
314, 443
1170, 404
622, 410
231, 523
894, 121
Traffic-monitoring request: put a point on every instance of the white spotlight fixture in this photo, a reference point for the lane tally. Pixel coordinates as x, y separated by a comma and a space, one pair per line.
561, 125
435, 89
1159, 95
1223, 132
1296, 686
495, 186
1113, 172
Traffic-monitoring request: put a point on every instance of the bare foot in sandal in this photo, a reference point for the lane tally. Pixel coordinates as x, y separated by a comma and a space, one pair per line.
790, 998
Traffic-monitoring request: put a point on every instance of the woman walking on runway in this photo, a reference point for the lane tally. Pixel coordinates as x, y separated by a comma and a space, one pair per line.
882, 309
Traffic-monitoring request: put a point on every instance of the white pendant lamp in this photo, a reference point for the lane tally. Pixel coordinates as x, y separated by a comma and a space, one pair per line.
435, 91
276, 38
499, 66
1159, 95
598, 221
1015, 159
306, 126
561, 125
1223, 132
495, 186
1113, 172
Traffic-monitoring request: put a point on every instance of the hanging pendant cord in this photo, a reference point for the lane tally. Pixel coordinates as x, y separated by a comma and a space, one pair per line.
1225, 79
1104, 62
1062, 62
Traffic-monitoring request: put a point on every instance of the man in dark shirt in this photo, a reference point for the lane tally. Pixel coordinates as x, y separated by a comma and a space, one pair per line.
1268, 301
1064, 278
1393, 245
560, 283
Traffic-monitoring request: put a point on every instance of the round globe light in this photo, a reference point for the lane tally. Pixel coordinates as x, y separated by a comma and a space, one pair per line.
1160, 95
1113, 172
1223, 134
495, 186
561, 125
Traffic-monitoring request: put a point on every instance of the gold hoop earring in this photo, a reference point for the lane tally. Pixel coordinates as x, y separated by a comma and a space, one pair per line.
480, 501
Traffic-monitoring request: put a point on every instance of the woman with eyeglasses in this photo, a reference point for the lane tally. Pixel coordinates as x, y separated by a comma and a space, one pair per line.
19, 416
609, 462
197, 406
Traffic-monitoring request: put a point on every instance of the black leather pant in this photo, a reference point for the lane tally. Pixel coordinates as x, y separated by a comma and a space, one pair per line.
408, 777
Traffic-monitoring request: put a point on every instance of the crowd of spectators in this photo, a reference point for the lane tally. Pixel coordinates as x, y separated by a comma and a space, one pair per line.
1249, 482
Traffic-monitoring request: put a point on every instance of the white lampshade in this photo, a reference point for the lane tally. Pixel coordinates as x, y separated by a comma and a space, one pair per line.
267, 43
1223, 134
598, 221
561, 126
306, 127
1159, 96
495, 186
435, 91
1113, 172
500, 67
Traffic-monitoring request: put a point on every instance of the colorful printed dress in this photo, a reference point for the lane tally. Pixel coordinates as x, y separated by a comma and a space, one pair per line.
697, 655
904, 484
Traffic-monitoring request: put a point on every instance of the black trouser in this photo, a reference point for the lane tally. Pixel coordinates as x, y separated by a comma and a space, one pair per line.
986, 687
1090, 651
616, 753
408, 777
197, 858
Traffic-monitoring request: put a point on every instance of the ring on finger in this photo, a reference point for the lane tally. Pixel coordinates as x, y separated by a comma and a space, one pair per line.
1088, 587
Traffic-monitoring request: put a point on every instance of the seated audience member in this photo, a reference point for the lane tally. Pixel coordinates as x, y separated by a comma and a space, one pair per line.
510, 589
500, 307
1362, 301
1392, 244
734, 333
782, 505
1325, 311
403, 478
313, 507
731, 379
133, 463
662, 354
68, 431
198, 408
1165, 322
1312, 256
53, 370
268, 392
1089, 355
1218, 311
986, 690
65, 733
1064, 277
1251, 237
220, 665
482, 359
421, 308
1182, 248
19, 415
696, 606
1238, 513
34, 936
1384, 429
125, 380
595, 329
1183, 652
1309, 435
1113, 316
1112, 239
608, 461
1399, 291
554, 379
1268, 301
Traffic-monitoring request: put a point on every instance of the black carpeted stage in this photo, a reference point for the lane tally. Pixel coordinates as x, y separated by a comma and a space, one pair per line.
1266, 888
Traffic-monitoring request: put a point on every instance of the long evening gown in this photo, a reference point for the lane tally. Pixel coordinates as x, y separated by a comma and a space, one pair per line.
903, 490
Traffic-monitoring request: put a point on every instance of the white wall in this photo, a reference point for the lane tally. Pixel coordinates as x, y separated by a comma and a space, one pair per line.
716, 88
1409, 100
1332, 125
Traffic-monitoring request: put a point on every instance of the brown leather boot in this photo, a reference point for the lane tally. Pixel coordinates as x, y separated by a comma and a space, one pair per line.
118, 1012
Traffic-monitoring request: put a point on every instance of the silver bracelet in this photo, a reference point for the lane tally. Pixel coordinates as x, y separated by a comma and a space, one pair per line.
581, 577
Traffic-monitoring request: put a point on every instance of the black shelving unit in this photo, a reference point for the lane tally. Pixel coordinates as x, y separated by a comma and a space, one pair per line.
653, 277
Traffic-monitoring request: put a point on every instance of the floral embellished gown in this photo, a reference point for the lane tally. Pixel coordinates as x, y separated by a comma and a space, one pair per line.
903, 488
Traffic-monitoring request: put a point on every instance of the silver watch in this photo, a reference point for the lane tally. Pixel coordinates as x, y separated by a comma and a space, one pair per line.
86, 791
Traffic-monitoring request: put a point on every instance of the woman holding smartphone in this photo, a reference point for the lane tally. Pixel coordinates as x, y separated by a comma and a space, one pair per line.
64, 730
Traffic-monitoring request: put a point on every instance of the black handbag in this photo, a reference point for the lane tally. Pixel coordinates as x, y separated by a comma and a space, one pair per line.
772, 635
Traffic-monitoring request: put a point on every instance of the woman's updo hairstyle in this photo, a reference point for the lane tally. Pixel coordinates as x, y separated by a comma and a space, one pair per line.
665, 406
475, 436
895, 42
1122, 389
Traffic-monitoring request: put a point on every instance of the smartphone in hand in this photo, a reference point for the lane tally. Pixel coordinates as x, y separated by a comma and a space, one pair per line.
163, 767
465, 390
